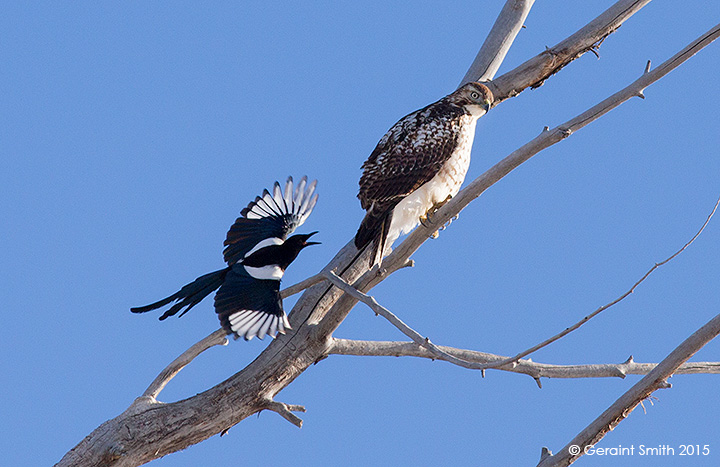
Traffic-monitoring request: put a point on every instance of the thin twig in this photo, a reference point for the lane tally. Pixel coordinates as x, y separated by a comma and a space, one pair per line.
370, 301
621, 408
608, 305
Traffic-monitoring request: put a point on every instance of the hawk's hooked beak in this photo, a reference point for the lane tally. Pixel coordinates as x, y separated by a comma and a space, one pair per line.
487, 105
306, 243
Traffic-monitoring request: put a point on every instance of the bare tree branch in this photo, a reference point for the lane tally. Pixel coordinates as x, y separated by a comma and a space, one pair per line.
622, 407
397, 322
302, 285
498, 42
285, 411
527, 367
216, 338
608, 305
535, 71
546, 139
439, 353
146, 432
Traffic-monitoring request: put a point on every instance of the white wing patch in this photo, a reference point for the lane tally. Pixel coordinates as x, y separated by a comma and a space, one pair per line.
297, 201
269, 272
263, 244
250, 323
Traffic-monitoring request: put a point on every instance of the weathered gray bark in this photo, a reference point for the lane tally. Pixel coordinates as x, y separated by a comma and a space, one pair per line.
149, 429
536, 370
498, 41
621, 408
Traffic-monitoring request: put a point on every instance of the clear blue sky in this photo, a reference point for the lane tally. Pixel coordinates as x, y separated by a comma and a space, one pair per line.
132, 134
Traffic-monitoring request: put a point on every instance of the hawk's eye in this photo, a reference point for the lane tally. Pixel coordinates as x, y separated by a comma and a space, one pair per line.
475, 95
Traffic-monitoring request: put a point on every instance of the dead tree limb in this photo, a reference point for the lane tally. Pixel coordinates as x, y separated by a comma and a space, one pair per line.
527, 367
622, 297
498, 41
147, 431
534, 72
621, 408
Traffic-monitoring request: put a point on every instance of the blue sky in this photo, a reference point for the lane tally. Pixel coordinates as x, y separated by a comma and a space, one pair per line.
131, 136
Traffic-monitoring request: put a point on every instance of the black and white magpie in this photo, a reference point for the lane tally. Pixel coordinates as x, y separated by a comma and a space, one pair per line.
257, 251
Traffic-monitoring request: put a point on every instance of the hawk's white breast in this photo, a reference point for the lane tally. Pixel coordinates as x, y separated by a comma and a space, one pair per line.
447, 182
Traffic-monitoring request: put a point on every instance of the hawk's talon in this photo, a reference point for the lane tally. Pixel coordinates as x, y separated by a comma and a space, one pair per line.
428, 217
431, 212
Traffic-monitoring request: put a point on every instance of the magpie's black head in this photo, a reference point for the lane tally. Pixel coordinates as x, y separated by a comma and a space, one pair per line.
292, 247
301, 241
298, 242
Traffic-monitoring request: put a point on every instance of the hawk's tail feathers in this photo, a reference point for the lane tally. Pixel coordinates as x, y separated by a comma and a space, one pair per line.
374, 228
189, 296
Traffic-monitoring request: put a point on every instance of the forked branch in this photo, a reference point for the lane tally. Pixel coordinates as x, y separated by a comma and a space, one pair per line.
285, 411
498, 41
136, 437
546, 139
505, 363
397, 322
622, 407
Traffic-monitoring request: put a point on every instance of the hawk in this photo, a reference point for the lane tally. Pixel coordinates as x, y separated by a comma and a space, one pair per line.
257, 251
418, 165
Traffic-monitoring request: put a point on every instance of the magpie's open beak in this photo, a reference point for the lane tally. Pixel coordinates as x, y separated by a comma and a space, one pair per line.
306, 243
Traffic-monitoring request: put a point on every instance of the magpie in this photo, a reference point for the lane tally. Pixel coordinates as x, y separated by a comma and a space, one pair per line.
257, 251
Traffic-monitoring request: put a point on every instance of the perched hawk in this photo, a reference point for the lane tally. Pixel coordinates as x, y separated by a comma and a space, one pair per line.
418, 165
257, 252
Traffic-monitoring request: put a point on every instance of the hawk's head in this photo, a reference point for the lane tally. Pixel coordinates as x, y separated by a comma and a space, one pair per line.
475, 97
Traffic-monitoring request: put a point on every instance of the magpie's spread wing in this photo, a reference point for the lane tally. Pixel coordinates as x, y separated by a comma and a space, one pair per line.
248, 307
271, 216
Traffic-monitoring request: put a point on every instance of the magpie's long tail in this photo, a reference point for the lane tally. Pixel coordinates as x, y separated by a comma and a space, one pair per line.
188, 296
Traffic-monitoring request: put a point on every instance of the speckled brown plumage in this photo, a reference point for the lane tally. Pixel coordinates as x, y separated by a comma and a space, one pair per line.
432, 142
